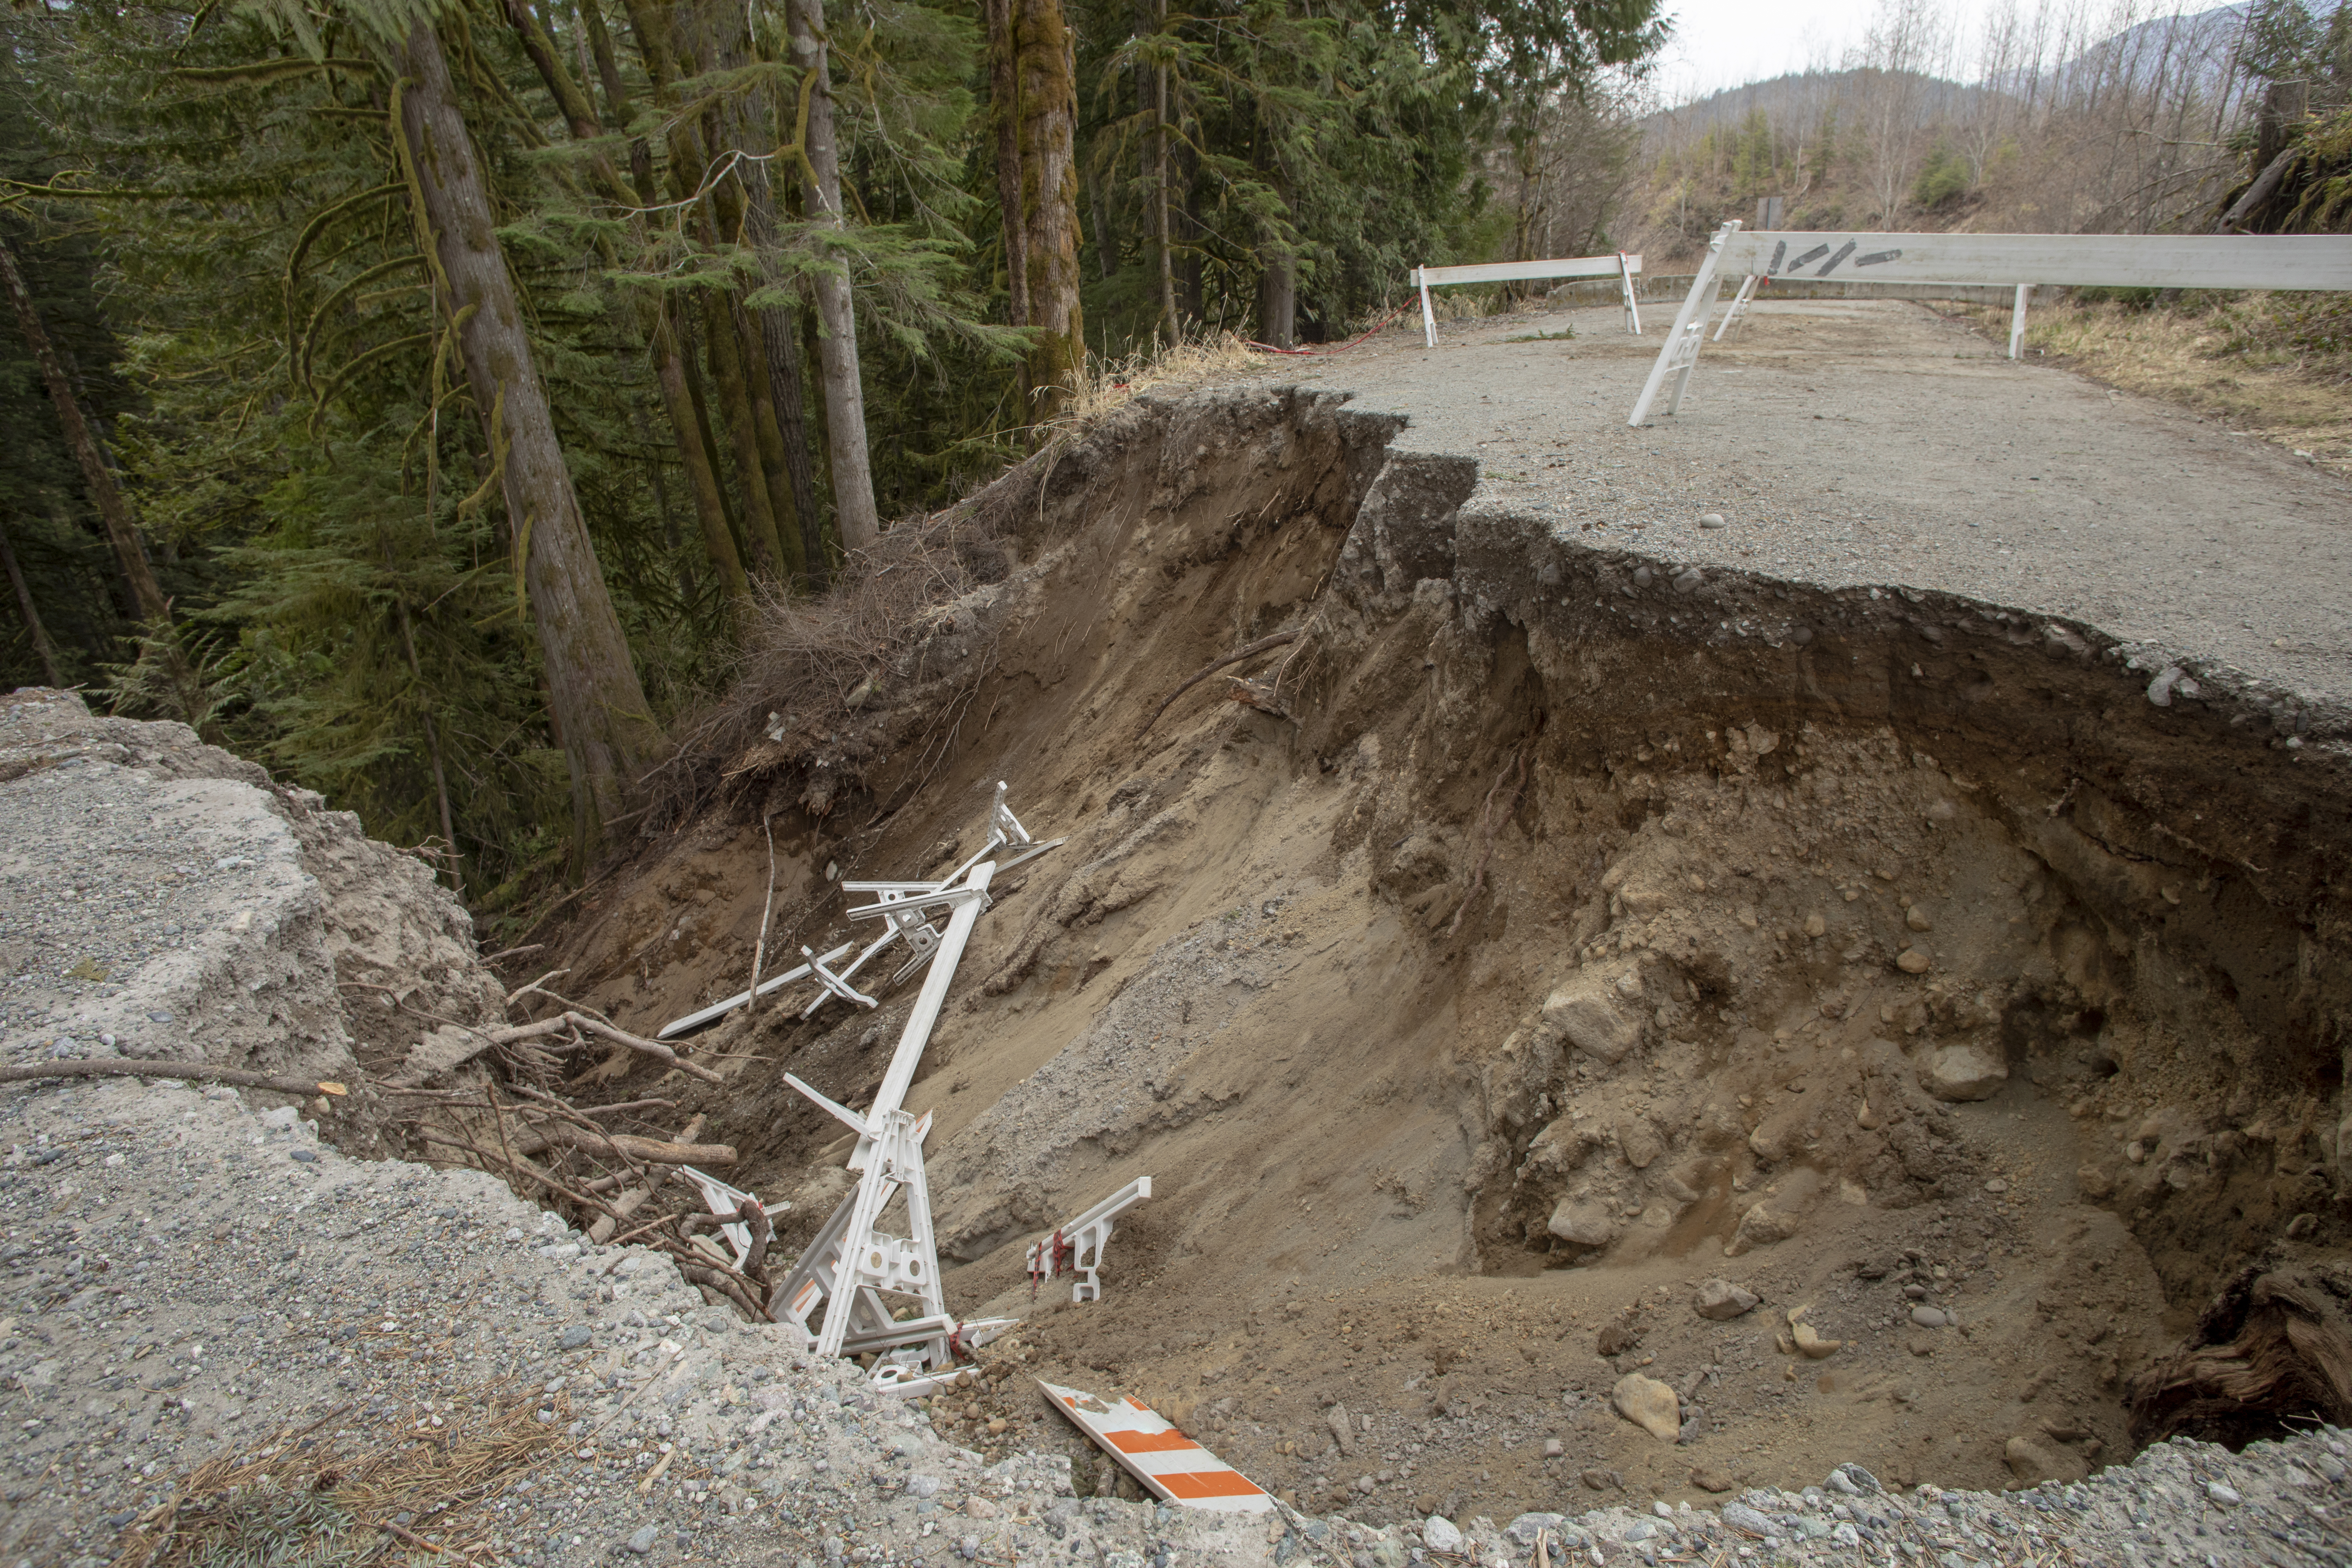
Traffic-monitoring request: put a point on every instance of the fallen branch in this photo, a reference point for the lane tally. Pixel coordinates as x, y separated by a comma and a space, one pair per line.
642, 1151
574, 1019
726, 1286
1275, 640
194, 1073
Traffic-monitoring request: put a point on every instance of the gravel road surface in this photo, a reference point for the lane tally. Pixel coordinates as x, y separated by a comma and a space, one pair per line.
1852, 443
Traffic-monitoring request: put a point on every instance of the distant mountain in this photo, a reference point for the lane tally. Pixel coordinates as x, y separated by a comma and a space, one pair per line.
1799, 98
2201, 46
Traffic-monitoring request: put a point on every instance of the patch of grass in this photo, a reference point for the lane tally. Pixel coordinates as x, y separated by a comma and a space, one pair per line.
304, 1501
1559, 336
2278, 366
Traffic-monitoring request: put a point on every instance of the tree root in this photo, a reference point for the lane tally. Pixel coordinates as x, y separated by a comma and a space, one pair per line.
1274, 640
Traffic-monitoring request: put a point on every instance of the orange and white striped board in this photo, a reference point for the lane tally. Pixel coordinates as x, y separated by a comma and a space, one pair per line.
1171, 1466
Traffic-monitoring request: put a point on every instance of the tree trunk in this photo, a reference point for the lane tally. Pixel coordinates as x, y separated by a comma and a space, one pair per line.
1046, 105
1004, 124
122, 531
42, 646
710, 502
1277, 299
669, 375
598, 707
726, 351
844, 397
1170, 330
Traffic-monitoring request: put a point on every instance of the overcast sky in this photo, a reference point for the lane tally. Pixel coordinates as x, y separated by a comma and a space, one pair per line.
1723, 43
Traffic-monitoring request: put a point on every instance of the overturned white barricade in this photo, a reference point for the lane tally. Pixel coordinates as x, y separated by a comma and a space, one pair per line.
1078, 1246
852, 1268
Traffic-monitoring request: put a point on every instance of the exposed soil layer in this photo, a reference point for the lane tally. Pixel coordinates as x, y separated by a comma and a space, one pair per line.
1547, 932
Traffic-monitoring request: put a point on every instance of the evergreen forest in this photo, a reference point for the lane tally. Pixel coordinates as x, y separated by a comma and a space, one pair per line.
427, 398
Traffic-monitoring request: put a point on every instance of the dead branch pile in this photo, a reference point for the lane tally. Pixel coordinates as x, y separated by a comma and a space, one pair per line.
617, 1187
810, 664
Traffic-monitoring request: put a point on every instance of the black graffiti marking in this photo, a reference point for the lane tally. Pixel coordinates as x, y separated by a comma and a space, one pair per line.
1779, 251
1815, 254
1875, 258
1831, 264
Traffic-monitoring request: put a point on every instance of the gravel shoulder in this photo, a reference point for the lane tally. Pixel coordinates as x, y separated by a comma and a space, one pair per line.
185, 1280
1873, 443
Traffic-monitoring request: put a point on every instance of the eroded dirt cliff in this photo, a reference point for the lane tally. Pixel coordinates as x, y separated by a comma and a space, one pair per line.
1538, 933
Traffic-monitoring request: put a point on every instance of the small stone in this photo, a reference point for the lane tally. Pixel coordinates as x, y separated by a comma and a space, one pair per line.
1711, 519
306, 1156
1689, 580
1601, 1480
1439, 1533
1997, 1184
979, 1508
1929, 1317
1739, 1516
1554, 1449
1712, 1478
2095, 1180
1649, 1405
1911, 961
574, 1336
1721, 1300
1815, 925
642, 1542
1918, 918
2227, 1496
1342, 1427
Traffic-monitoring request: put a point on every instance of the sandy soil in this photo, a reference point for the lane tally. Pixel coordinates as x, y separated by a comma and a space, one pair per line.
1853, 442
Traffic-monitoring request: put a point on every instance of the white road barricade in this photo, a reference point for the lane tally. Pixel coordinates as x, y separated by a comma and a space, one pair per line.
1148, 1447
1078, 1246
2295, 261
1619, 266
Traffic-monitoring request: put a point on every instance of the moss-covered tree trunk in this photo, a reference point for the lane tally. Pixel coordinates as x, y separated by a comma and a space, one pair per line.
607, 731
1033, 79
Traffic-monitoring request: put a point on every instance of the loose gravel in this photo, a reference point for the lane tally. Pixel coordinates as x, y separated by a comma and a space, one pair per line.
182, 1277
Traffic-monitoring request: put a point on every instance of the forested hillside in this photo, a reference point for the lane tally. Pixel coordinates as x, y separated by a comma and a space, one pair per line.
427, 399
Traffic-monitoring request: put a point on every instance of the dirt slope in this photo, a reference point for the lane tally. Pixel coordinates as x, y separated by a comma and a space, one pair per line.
1572, 929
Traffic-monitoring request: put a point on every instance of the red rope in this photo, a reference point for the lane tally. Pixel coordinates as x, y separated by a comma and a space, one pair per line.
1317, 353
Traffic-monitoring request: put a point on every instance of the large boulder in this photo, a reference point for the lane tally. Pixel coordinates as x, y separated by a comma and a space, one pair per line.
1585, 1010
1962, 1072
1584, 1221
1649, 1405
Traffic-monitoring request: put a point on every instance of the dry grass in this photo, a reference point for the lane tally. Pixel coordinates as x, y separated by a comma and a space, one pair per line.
305, 1501
1106, 384
2272, 365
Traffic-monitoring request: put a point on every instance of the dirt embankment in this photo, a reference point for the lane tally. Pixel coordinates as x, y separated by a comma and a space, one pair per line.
1546, 931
